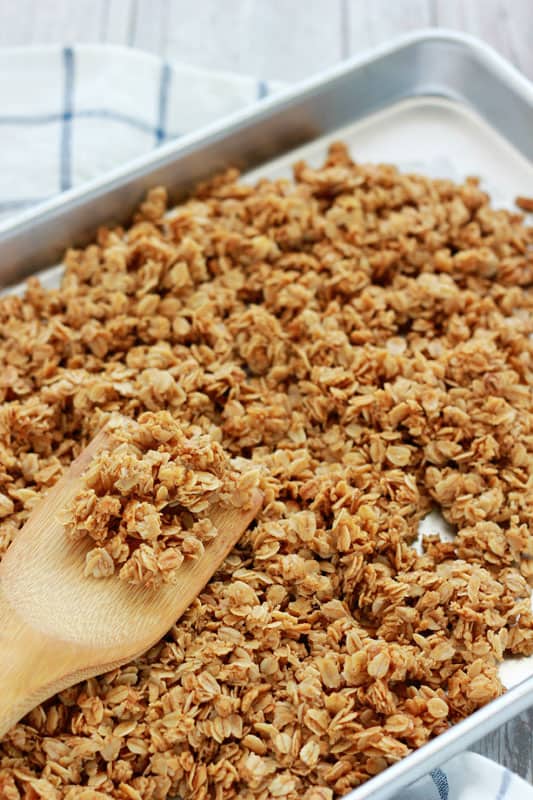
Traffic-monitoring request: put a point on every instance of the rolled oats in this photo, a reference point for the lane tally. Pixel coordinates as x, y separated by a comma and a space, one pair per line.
146, 497
362, 336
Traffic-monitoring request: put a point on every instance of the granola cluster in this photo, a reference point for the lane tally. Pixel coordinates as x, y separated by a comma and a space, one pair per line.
363, 337
146, 498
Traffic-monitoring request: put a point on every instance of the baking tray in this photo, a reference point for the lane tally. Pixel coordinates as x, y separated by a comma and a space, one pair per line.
438, 102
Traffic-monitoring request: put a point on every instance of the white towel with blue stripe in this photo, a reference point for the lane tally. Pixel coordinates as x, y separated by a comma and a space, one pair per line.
68, 114
469, 777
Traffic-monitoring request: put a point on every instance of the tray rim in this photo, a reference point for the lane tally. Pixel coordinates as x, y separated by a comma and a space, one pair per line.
515, 700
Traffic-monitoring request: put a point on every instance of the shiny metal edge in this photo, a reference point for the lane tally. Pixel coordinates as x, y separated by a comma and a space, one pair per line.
439, 750
427, 63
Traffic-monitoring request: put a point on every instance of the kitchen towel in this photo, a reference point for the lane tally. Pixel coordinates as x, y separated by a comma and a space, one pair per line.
469, 776
68, 114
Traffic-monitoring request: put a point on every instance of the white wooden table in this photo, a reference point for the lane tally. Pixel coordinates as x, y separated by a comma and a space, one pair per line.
284, 40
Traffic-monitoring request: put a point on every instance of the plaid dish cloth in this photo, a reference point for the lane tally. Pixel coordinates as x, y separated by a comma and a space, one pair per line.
469, 777
68, 114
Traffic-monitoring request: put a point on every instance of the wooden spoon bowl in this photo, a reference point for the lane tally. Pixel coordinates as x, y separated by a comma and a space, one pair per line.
58, 627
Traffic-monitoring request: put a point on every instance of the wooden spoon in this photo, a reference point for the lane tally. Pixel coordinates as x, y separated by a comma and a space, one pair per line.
58, 627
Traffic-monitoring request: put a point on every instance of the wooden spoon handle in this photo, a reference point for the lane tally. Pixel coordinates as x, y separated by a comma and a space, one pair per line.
32, 664
34, 667
24, 665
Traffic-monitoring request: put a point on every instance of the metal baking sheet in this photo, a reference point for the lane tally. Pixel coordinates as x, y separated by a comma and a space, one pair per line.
442, 104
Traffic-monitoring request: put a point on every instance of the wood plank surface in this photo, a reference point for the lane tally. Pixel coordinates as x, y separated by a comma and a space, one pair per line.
279, 39
370, 24
507, 25
284, 40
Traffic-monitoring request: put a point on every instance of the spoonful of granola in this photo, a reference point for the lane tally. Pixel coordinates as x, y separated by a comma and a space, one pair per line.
115, 553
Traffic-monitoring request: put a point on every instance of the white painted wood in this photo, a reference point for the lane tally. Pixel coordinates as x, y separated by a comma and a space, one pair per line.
519, 21
372, 23
116, 21
511, 745
57, 21
279, 39
507, 25
15, 22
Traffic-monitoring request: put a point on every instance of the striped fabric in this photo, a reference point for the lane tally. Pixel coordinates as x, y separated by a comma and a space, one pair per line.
469, 777
68, 114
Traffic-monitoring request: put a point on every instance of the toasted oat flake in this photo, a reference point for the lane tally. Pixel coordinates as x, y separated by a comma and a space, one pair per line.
437, 708
145, 498
362, 336
525, 203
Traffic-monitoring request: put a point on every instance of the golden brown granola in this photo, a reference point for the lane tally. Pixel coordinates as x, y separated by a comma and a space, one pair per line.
364, 337
525, 203
146, 499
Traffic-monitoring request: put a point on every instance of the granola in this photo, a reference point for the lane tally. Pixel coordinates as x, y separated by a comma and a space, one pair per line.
146, 498
525, 203
363, 337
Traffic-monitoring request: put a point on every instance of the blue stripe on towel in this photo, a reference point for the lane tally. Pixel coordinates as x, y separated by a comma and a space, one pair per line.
66, 129
262, 89
29, 119
164, 85
504, 785
103, 113
441, 783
